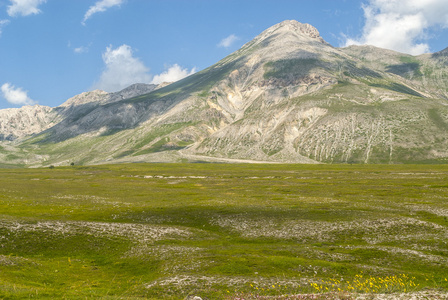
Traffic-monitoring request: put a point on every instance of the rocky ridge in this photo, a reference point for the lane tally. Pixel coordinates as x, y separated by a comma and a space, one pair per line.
16, 123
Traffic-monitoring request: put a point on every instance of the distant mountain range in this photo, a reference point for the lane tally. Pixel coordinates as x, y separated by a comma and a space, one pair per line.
286, 96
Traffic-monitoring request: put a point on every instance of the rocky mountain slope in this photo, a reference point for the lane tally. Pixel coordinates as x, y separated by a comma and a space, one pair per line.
21, 122
286, 96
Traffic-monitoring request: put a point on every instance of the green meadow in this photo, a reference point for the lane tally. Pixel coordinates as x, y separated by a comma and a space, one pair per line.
223, 231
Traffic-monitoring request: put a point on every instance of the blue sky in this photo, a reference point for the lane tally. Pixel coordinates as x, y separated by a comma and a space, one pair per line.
51, 50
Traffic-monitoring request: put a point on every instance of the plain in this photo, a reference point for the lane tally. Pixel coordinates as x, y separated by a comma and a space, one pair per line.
223, 231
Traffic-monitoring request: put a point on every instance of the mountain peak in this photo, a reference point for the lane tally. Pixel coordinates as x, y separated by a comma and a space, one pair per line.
297, 27
302, 31
86, 97
288, 36
286, 40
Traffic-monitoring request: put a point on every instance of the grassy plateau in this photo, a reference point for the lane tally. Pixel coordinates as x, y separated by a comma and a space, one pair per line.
223, 231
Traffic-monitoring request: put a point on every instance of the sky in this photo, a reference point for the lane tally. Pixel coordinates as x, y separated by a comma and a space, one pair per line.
52, 50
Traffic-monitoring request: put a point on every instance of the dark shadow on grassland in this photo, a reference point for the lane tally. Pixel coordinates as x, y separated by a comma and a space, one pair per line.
296, 68
10, 166
397, 87
197, 216
407, 70
438, 120
130, 113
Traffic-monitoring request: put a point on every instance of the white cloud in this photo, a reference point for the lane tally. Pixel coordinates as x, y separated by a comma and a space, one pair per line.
401, 25
3, 23
228, 41
122, 70
100, 6
16, 96
174, 73
24, 7
81, 49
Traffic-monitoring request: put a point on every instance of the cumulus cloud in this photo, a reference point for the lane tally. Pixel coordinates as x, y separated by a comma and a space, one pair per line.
16, 96
228, 41
24, 7
174, 73
122, 70
401, 25
100, 6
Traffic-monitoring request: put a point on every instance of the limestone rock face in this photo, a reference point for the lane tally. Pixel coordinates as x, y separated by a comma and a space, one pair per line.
20, 122
304, 31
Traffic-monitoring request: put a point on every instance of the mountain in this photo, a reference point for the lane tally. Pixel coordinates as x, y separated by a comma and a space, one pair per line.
286, 96
21, 122
102, 97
